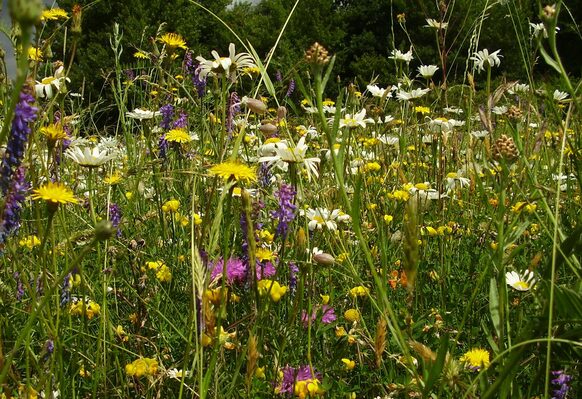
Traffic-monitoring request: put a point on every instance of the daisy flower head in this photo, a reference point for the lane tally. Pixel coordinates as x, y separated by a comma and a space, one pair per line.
321, 217
484, 60
353, 121
283, 154
234, 170
411, 95
54, 194
433, 23
520, 282
173, 41
141, 114
475, 359
46, 87
398, 55
427, 71
90, 157
376, 91
225, 66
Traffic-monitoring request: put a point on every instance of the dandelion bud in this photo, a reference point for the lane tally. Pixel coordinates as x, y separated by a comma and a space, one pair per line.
77, 17
268, 129
301, 239
104, 230
324, 259
25, 12
317, 55
256, 106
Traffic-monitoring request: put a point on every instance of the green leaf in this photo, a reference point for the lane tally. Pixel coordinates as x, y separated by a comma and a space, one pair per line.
494, 306
549, 60
438, 365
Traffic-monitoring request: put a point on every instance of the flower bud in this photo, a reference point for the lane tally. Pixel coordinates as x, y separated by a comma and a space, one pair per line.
268, 129
104, 230
76, 19
324, 259
256, 106
281, 112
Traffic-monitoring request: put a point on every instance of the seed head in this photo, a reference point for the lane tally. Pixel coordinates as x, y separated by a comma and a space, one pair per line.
317, 55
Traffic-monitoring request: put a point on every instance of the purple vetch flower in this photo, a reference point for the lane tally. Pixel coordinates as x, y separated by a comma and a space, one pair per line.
129, 75
264, 174
167, 112
13, 202
49, 348
233, 109
327, 315
278, 76
198, 82
24, 113
562, 384
265, 270
236, 270
286, 212
293, 270
115, 217
66, 289
163, 147
292, 375
19, 286
182, 121
291, 88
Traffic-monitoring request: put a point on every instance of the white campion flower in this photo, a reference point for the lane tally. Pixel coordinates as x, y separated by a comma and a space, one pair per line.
520, 282
352, 121
433, 23
45, 88
141, 114
376, 91
400, 56
427, 71
225, 66
407, 96
484, 60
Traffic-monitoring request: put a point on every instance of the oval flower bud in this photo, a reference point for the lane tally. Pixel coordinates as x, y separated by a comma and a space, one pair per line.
256, 106
324, 259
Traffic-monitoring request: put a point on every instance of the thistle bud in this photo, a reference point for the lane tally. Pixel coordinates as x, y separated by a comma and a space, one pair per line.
76, 19
317, 55
25, 12
505, 148
256, 106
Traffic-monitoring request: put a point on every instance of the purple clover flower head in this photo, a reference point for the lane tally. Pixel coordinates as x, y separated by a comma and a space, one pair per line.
236, 270
182, 121
286, 212
24, 113
327, 315
291, 88
115, 217
562, 384
167, 112
292, 375
233, 109
265, 270
14, 200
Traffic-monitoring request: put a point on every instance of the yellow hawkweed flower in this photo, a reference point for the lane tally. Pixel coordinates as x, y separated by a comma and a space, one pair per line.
264, 254
475, 359
173, 41
140, 55
113, 178
35, 54
53, 132
180, 136
234, 170
55, 194
54, 14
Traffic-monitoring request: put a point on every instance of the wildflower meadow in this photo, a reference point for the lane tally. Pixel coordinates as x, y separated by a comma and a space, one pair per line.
235, 230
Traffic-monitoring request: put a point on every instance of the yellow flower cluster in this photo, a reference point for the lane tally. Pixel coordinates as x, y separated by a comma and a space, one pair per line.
163, 272
306, 388
85, 307
171, 206
29, 242
360, 290
271, 288
142, 367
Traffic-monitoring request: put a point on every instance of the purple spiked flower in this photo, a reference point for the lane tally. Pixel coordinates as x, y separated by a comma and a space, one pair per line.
167, 112
182, 121
561, 382
291, 88
10, 217
233, 109
115, 217
286, 212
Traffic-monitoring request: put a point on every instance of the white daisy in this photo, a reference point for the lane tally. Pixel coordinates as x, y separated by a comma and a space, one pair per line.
483, 59
225, 66
141, 114
520, 282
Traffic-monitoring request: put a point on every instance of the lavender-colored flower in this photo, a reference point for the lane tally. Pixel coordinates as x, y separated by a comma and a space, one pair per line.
129, 75
278, 76
19, 286
24, 113
182, 121
115, 217
200, 83
167, 112
233, 109
327, 315
236, 270
286, 212
13, 202
264, 174
66, 289
49, 348
163, 147
562, 383
292, 375
291, 88
293, 270
265, 270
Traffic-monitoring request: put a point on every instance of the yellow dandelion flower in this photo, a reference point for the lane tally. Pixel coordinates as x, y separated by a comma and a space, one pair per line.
140, 55
234, 170
264, 254
53, 132
35, 54
113, 178
178, 136
54, 14
475, 359
173, 40
422, 110
54, 193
